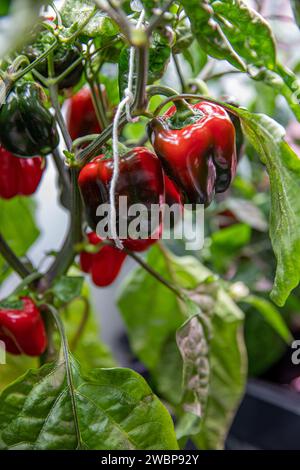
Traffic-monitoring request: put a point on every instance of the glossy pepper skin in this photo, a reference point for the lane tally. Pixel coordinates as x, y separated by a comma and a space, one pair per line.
199, 157
63, 57
172, 193
81, 115
27, 128
19, 176
103, 266
140, 180
22, 328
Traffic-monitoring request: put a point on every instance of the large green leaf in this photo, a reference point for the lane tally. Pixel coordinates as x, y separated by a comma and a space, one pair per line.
112, 409
283, 167
17, 226
154, 317
230, 30
233, 31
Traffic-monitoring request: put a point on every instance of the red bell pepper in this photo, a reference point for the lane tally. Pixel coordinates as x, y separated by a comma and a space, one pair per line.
22, 328
105, 265
19, 176
140, 179
200, 156
81, 115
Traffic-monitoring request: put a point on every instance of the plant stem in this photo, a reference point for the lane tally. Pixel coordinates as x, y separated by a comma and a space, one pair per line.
59, 116
140, 101
82, 325
185, 96
61, 169
79, 28
82, 140
31, 66
100, 113
65, 349
117, 15
86, 154
12, 259
155, 274
179, 73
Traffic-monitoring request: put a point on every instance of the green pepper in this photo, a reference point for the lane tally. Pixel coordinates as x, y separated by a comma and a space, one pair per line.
63, 57
27, 128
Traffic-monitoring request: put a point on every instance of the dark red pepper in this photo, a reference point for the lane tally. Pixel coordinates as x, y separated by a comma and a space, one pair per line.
172, 194
200, 156
22, 329
140, 179
82, 119
103, 266
18, 176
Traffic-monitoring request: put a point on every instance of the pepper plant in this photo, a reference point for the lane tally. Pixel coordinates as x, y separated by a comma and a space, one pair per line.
85, 83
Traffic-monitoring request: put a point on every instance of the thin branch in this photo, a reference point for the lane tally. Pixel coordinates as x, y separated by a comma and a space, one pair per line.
61, 169
179, 73
12, 259
157, 19
155, 274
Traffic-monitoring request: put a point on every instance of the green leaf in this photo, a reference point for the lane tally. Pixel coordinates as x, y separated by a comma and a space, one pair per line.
271, 315
114, 409
67, 288
231, 30
153, 315
18, 227
15, 367
283, 167
228, 373
77, 11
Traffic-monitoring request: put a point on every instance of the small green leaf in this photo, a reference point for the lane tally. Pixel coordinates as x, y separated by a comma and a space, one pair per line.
67, 288
77, 11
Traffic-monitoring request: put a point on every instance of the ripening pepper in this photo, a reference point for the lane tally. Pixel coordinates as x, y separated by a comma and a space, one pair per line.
21, 328
199, 154
140, 180
103, 266
81, 115
27, 128
19, 176
64, 57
